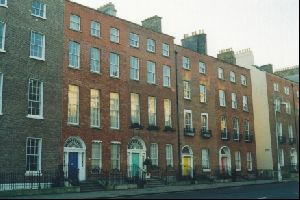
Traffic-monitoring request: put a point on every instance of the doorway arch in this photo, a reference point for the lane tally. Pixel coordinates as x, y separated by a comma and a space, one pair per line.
136, 154
187, 158
225, 160
75, 156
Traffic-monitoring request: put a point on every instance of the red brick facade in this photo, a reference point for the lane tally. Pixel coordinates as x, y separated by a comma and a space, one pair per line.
287, 142
214, 110
122, 85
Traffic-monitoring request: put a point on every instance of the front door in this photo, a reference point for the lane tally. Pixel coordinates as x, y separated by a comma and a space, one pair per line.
73, 165
224, 165
186, 166
135, 164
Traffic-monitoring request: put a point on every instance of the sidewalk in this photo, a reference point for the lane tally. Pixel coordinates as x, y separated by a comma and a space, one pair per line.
133, 192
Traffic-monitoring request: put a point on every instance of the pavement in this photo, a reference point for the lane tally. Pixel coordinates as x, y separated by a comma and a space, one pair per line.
146, 191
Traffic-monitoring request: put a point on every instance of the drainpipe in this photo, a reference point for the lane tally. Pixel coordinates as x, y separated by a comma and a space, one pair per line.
295, 118
177, 110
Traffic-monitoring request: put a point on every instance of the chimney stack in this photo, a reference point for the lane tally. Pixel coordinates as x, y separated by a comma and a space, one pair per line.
153, 23
196, 42
108, 9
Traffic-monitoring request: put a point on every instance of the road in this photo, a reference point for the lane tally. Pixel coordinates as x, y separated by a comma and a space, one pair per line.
288, 190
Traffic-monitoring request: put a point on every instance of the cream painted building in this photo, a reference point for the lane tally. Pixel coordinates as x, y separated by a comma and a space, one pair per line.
245, 59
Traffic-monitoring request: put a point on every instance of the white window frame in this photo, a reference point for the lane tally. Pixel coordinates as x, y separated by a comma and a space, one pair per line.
279, 129
134, 40
114, 67
236, 127
168, 112
205, 160
187, 90
247, 127
4, 4
115, 157
2, 48
287, 90
152, 111
169, 155
1, 92
95, 114
232, 77
134, 68
95, 60
96, 159
243, 80
40, 102
222, 98
151, 72
166, 76
238, 162
73, 94
203, 94
204, 123
37, 154
276, 87
151, 45
186, 63
74, 53
135, 108
288, 108
202, 68
115, 108
224, 119
245, 104
154, 154
277, 104
188, 125
221, 73
95, 29
234, 101
165, 50
40, 46
114, 35
75, 22
42, 7
249, 161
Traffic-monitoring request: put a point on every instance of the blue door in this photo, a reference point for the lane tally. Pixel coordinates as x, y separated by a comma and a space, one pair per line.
73, 166
135, 164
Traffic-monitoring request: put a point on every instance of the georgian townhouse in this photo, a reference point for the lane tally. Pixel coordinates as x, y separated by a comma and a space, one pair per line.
215, 116
31, 55
119, 93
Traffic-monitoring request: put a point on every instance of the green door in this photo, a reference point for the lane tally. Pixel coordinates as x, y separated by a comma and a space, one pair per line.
135, 164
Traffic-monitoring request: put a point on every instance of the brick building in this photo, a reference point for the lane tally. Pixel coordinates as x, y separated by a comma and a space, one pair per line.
215, 116
119, 93
31, 37
283, 101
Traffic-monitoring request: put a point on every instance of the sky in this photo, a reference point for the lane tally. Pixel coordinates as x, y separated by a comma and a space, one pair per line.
270, 28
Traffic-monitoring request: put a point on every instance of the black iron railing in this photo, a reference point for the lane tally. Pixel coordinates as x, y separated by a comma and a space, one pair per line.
189, 131
281, 139
136, 126
35, 180
169, 129
206, 134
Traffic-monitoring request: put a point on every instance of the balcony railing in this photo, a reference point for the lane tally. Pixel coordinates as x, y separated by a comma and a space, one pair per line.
206, 134
153, 128
169, 129
189, 131
292, 141
225, 136
248, 138
237, 136
136, 126
281, 139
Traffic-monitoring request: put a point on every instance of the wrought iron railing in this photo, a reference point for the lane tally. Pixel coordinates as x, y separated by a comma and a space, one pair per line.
189, 131
281, 139
206, 134
292, 141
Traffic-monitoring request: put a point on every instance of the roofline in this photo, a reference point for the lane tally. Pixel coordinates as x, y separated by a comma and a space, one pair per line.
93, 9
272, 74
217, 59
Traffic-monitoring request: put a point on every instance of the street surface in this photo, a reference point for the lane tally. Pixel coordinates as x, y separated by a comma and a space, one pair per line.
289, 190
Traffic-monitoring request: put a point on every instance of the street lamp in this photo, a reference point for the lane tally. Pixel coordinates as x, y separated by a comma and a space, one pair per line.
279, 175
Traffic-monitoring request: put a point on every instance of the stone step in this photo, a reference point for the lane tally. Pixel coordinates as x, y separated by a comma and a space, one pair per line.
90, 187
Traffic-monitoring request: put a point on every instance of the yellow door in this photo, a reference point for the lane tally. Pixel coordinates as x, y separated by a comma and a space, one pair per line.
186, 166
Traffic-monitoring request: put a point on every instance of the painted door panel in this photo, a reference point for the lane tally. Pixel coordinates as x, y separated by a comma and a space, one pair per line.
135, 164
73, 165
186, 166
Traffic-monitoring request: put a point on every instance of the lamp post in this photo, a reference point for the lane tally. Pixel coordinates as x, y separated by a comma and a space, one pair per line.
279, 175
